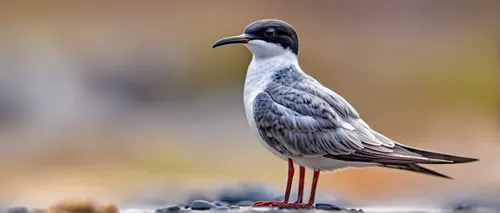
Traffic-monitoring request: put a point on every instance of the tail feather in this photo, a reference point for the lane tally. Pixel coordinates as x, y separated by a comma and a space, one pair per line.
415, 168
448, 159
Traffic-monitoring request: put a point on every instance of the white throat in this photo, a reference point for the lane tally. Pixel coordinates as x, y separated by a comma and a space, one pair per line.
269, 57
264, 66
264, 50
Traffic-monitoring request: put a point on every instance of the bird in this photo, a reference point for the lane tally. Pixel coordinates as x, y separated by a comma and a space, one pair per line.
303, 122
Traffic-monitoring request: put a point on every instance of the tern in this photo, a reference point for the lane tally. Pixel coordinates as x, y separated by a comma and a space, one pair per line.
303, 122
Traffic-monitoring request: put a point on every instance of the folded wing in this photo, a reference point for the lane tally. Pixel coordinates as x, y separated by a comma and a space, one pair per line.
303, 119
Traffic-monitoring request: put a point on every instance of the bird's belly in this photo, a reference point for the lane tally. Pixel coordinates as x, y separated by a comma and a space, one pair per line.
327, 164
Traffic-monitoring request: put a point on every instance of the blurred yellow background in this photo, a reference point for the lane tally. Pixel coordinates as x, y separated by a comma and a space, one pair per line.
104, 99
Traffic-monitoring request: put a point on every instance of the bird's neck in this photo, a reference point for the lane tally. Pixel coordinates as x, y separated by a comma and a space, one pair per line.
266, 66
261, 70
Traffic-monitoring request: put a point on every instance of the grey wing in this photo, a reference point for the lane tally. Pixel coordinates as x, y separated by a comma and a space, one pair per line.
346, 111
377, 147
298, 123
341, 106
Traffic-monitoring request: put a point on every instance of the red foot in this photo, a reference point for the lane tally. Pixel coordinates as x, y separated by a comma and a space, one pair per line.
281, 204
302, 205
266, 203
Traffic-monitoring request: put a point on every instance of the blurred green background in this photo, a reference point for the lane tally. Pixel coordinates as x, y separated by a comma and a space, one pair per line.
105, 99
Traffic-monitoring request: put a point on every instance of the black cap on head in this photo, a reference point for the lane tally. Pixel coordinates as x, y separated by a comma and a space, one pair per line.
274, 31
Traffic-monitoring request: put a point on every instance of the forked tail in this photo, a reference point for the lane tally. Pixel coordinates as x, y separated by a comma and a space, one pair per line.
433, 157
447, 159
416, 168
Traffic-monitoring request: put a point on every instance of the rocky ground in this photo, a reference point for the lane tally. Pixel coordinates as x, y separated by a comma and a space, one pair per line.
85, 206
240, 201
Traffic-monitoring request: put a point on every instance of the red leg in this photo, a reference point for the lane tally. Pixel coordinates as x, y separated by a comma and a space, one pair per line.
313, 188
299, 203
291, 171
302, 175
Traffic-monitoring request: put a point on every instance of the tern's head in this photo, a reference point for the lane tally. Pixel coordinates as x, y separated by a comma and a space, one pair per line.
266, 38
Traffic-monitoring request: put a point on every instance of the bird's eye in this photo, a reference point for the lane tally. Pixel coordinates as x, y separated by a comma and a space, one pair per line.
269, 33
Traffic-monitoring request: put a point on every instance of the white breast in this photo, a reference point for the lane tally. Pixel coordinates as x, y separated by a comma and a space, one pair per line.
258, 76
253, 127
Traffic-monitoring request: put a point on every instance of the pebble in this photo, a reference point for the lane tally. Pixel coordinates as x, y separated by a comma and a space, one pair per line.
248, 192
168, 209
463, 207
16, 210
202, 205
326, 206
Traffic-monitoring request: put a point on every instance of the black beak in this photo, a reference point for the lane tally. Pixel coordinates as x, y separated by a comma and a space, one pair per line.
241, 39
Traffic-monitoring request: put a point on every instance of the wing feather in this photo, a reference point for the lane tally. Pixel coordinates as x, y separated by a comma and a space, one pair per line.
345, 110
305, 118
302, 123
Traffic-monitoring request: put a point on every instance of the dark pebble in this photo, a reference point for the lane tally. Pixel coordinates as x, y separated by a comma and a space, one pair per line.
326, 206
17, 210
168, 209
248, 192
173, 208
202, 205
464, 207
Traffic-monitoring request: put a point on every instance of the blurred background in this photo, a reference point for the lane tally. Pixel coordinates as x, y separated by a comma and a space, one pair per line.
126, 100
